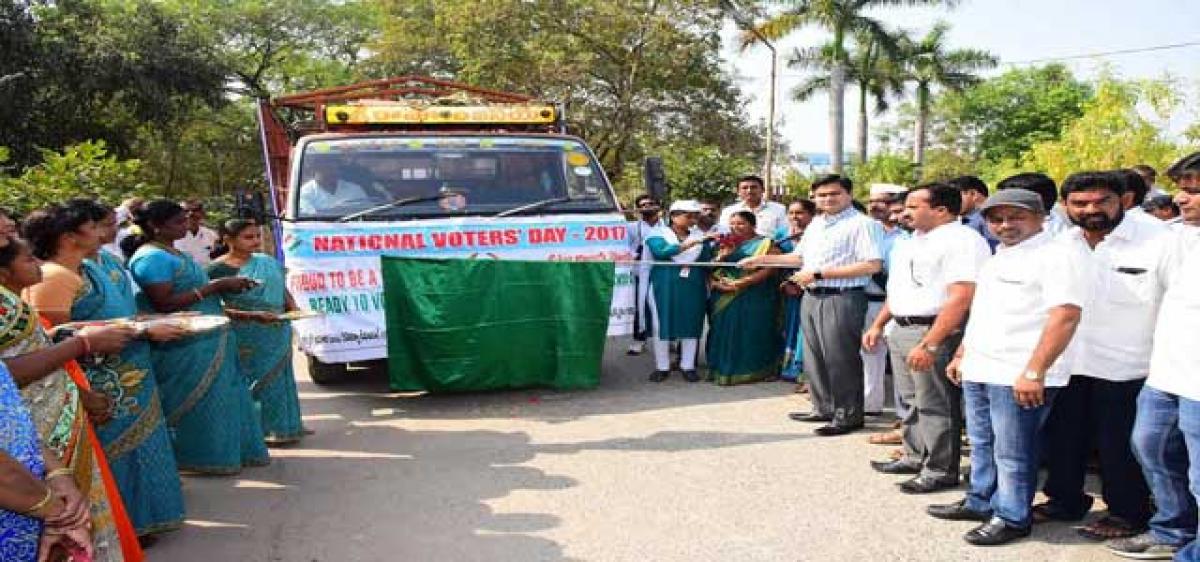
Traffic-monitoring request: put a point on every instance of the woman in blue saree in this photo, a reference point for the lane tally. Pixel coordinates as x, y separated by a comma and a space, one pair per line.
204, 397
264, 341
799, 214
135, 439
743, 340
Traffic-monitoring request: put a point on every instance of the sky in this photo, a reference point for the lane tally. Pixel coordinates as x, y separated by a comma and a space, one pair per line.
1013, 30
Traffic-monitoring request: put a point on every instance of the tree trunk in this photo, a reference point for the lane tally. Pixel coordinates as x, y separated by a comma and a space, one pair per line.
920, 126
862, 123
837, 102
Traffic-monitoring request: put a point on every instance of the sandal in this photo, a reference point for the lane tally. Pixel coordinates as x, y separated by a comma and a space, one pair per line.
896, 454
1109, 528
886, 438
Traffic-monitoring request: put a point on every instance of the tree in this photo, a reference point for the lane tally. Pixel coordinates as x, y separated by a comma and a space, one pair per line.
97, 70
1111, 133
874, 73
843, 19
931, 64
632, 75
85, 169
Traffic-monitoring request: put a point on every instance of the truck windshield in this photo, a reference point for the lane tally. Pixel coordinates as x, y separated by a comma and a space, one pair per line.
478, 175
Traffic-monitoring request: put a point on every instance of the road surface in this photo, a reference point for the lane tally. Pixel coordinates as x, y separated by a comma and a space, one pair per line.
630, 471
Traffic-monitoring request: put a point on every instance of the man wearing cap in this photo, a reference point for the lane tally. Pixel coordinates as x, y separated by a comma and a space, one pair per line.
1095, 411
1044, 186
769, 215
929, 292
837, 256
1013, 359
1186, 174
875, 357
1166, 433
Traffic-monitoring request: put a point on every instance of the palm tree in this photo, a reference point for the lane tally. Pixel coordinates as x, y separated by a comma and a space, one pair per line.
929, 63
842, 18
875, 74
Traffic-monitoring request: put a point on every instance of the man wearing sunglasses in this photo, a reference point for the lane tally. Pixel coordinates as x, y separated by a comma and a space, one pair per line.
929, 291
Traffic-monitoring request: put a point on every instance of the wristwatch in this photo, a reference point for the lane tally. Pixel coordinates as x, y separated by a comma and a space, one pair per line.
818, 275
931, 348
1032, 375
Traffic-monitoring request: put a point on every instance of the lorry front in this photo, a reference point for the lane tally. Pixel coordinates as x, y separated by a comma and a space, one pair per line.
450, 192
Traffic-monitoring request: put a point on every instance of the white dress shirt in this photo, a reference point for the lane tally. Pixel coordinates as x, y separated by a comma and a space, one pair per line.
199, 245
769, 216
1114, 337
837, 240
1014, 293
924, 265
314, 200
1174, 363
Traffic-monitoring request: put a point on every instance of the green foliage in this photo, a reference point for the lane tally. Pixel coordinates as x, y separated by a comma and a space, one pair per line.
1005, 116
704, 172
795, 183
1111, 133
85, 169
882, 168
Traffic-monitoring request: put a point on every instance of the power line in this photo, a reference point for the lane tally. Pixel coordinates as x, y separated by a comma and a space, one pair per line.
1040, 60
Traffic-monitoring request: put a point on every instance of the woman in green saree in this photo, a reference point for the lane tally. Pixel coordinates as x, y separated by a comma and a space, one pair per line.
264, 340
743, 341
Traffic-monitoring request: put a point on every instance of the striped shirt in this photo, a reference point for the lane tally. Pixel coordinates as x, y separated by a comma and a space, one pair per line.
838, 240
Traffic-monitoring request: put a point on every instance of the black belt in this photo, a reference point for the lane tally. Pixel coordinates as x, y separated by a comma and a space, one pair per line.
876, 298
826, 291
914, 320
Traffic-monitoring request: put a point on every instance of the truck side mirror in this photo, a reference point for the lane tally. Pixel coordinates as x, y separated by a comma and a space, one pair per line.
655, 178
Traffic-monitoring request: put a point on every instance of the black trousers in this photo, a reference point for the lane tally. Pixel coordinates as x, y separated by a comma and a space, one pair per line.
1095, 414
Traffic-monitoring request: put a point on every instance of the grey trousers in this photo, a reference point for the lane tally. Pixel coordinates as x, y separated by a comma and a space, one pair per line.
832, 327
932, 429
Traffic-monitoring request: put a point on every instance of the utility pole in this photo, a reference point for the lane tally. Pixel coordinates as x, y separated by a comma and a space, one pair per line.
769, 167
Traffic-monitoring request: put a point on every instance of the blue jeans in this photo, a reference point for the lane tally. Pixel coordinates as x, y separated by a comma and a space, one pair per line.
1166, 442
1004, 451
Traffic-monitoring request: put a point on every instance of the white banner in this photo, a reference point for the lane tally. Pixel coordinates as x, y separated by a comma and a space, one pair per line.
334, 268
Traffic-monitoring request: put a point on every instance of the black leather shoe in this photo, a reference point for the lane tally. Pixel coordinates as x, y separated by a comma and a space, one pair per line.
833, 430
691, 376
995, 532
809, 417
895, 467
957, 511
659, 376
927, 484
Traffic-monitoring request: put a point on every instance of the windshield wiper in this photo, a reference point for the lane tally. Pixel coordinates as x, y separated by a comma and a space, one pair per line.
540, 204
400, 203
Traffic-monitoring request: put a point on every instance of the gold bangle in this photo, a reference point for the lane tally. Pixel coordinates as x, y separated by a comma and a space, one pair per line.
61, 471
40, 505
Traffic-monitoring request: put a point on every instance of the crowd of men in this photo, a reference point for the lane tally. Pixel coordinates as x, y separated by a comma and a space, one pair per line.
1049, 324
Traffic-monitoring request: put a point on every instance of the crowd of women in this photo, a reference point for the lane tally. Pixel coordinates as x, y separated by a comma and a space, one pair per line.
108, 391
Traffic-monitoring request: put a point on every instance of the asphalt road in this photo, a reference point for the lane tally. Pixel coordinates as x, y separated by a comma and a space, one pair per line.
630, 471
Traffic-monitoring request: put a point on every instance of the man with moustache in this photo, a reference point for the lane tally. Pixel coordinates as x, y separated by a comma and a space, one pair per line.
929, 291
1096, 410
1186, 174
1013, 360
875, 357
769, 215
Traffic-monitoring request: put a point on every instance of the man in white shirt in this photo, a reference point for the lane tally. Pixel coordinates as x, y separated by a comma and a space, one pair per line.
837, 255
1013, 359
199, 241
769, 215
1166, 433
326, 190
929, 291
1095, 411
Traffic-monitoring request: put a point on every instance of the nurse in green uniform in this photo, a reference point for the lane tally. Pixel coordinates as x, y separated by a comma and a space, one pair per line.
678, 293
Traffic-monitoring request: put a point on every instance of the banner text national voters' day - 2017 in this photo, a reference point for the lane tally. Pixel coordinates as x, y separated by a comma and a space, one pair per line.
334, 269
